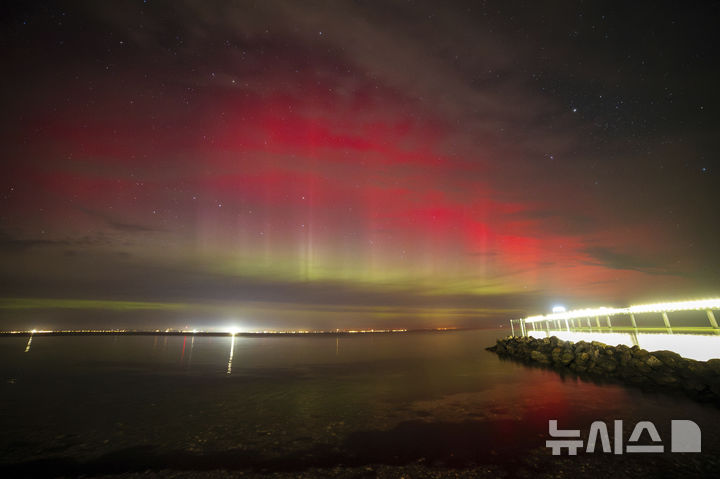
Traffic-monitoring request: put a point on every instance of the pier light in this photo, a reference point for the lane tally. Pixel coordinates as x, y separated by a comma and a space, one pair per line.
676, 306
560, 314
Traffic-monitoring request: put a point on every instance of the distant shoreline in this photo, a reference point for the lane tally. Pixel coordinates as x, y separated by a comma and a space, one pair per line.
223, 333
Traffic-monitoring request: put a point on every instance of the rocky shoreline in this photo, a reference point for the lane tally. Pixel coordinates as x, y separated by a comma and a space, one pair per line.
658, 369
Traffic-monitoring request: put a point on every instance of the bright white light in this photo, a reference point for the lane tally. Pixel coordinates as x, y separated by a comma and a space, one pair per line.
558, 309
233, 330
676, 306
702, 304
693, 346
576, 313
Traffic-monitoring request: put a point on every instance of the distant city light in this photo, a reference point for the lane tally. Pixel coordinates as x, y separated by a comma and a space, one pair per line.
212, 331
558, 309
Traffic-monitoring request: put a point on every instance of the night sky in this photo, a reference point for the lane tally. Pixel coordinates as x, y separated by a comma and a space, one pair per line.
354, 164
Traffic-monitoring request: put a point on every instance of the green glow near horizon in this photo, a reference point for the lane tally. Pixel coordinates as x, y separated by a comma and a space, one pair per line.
53, 303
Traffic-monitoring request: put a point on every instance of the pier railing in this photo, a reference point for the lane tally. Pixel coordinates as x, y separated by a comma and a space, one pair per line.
601, 319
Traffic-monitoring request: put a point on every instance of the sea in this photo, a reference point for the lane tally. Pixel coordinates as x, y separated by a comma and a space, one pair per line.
414, 404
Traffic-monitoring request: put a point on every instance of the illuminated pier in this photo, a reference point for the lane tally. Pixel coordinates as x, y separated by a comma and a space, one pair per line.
589, 320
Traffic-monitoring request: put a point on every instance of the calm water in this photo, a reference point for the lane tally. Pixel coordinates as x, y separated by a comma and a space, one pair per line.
291, 405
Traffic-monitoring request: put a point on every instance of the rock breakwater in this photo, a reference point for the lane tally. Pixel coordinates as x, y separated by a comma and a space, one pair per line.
657, 369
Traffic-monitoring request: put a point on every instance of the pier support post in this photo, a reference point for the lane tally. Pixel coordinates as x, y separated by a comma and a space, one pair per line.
607, 318
512, 328
634, 338
588, 323
632, 320
667, 323
567, 325
597, 321
711, 318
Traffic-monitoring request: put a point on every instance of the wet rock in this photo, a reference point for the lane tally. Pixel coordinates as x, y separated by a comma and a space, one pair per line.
714, 366
556, 354
639, 353
606, 364
567, 357
669, 358
660, 369
665, 379
653, 362
539, 357
640, 366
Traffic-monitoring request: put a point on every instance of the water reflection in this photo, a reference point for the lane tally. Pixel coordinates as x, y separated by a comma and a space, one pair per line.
700, 347
232, 348
428, 392
192, 344
27, 348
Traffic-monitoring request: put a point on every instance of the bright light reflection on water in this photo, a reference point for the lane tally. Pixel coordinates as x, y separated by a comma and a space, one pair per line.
694, 346
232, 348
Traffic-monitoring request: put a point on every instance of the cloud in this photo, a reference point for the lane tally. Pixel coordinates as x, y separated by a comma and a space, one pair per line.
611, 258
10, 244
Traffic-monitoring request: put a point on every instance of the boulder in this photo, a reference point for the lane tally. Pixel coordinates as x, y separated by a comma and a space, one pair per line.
664, 369
623, 357
539, 357
556, 353
567, 357
606, 364
713, 365
640, 366
639, 353
653, 361
668, 358
664, 379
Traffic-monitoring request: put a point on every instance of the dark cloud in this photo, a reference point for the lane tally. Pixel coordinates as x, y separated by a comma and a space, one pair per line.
13, 245
116, 224
611, 258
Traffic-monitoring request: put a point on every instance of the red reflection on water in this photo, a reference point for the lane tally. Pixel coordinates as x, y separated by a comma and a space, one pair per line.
546, 395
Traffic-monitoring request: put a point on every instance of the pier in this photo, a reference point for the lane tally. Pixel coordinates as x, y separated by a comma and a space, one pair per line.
643, 317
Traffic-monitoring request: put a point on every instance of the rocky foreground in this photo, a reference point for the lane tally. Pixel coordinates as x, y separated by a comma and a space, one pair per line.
657, 369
